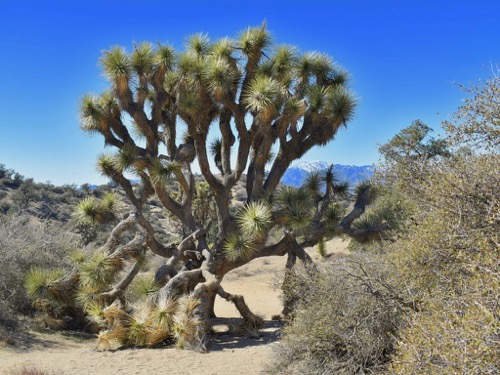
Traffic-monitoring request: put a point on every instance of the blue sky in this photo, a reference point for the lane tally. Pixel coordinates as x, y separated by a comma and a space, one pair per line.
404, 58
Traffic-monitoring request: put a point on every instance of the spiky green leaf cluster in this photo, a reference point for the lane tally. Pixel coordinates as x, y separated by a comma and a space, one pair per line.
77, 256
94, 308
143, 286
126, 157
88, 210
223, 48
390, 209
188, 329
362, 187
106, 165
91, 114
335, 103
191, 70
99, 270
314, 182
333, 215
162, 172
116, 63
110, 200
254, 40
199, 44
164, 57
321, 248
238, 246
254, 218
37, 281
341, 105
296, 207
220, 76
93, 211
263, 94
142, 59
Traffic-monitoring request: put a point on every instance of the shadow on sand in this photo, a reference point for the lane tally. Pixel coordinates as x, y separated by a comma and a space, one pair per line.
30, 338
224, 339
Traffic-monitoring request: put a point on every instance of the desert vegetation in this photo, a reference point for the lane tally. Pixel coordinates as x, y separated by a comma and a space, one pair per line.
425, 299
270, 105
140, 262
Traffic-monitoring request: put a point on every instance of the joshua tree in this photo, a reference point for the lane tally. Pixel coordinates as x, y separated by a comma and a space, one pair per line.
262, 107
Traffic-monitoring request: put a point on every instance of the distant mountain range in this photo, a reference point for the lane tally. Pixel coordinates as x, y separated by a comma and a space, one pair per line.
295, 176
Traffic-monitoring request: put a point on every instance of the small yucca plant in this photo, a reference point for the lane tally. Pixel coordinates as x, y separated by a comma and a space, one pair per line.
40, 289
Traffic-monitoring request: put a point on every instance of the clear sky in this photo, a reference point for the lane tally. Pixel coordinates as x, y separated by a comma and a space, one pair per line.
404, 57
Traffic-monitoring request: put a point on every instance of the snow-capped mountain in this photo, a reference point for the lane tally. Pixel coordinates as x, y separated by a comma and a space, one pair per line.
296, 175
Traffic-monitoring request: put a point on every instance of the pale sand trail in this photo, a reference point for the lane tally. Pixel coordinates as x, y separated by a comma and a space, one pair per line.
228, 354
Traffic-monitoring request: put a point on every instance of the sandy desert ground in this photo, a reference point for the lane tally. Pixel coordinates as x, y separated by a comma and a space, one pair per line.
228, 354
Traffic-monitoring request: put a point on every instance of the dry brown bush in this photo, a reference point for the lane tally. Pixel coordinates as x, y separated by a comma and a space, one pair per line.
346, 319
26, 243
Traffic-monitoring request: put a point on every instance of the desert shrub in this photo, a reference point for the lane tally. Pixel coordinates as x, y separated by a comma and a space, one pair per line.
346, 318
25, 243
450, 262
450, 256
17, 179
4, 207
26, 193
